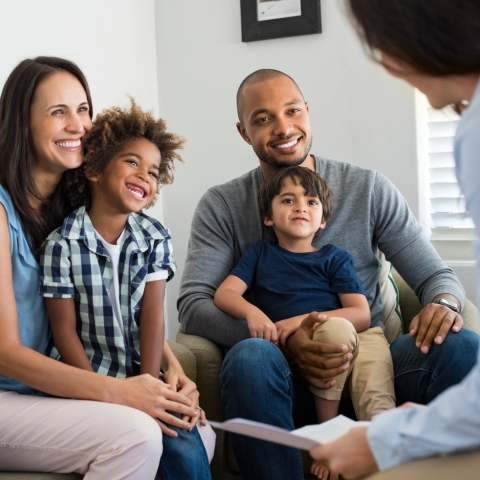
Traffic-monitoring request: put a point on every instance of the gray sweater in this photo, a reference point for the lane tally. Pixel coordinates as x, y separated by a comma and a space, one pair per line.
368, 214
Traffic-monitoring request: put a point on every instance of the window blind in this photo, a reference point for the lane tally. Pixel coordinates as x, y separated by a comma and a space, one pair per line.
448, 209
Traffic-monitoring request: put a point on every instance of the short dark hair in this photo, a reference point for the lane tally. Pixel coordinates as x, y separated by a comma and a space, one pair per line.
257, 77
17, 154
435, 37
112, 130
311, 181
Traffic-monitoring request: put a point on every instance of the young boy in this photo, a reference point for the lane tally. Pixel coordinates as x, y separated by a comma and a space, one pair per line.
291, 278
104, 272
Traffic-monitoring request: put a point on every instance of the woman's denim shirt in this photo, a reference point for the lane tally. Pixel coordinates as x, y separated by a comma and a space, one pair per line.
32, 315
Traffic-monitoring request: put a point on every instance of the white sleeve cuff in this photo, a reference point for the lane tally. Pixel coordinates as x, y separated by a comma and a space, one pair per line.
158, 275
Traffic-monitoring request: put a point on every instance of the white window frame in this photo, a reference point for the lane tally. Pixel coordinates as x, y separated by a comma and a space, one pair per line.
455, 245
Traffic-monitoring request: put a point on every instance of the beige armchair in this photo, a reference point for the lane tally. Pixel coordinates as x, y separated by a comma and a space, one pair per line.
186, 359
209, 357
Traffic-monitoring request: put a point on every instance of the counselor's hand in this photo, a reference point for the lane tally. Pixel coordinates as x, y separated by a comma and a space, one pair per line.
156, 398
433, 324
349, 456
308, 356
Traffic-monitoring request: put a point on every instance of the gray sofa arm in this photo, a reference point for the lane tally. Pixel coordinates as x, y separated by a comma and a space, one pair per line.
209, 358
410, 306
186, 359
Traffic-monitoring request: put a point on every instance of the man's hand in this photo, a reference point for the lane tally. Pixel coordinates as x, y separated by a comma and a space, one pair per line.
433, 324
349, 456
308, 356
261, 326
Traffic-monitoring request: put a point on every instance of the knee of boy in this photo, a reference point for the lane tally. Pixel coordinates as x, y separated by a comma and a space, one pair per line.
337, 330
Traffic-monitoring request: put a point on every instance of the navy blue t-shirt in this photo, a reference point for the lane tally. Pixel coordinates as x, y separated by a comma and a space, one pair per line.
287, 284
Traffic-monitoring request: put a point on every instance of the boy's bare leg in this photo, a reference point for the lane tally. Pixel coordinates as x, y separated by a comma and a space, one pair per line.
326, 409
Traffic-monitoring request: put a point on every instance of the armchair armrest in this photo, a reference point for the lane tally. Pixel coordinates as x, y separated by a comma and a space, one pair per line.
410, 306
186, 359
209, 358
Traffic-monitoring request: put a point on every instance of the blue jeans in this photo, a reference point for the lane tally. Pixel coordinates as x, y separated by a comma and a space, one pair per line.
258, 384
420, 378
184, 457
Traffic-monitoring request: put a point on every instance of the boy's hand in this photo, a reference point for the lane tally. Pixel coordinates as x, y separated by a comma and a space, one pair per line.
261, 326
285, 328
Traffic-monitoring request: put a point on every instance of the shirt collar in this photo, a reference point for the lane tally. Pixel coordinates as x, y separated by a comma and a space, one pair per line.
78, 226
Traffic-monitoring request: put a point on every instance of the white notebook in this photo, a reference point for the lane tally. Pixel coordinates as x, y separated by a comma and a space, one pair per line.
303, 438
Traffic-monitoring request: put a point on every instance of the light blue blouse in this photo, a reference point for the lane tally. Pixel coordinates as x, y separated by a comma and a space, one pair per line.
450, 423
32, 315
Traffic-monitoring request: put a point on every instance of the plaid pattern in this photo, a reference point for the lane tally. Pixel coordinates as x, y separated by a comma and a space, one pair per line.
75, 264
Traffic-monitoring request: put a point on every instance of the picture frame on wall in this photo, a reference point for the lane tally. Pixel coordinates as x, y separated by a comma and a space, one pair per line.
267, 19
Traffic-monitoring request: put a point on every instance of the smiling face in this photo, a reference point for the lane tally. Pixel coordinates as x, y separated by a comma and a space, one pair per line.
129, 181
296, 217
276, 123
59, 118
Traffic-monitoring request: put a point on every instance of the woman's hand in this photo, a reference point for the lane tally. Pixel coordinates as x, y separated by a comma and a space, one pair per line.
156, 398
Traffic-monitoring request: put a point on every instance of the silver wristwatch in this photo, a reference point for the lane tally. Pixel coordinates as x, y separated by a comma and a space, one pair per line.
448, 304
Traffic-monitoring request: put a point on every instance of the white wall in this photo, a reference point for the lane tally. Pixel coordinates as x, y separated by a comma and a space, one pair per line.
113, 42
359, 114
185, 60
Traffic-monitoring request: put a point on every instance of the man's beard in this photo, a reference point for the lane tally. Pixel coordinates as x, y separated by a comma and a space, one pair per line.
274, 162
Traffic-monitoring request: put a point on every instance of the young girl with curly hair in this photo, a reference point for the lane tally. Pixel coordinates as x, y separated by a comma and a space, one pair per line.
104, 271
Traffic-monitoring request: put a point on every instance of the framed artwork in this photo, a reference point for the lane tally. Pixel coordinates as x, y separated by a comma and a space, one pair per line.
265, 19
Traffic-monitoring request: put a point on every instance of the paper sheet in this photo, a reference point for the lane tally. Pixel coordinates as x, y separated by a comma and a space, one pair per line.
303, 438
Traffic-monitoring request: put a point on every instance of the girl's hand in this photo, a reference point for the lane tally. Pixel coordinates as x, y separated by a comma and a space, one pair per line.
178, 381
194, 397
156, 398
187, 387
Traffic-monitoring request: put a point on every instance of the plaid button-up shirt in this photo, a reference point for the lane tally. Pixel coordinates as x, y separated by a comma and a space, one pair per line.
76, 265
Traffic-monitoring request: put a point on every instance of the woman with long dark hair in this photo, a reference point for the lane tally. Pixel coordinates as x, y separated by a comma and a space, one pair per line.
435, 46
45, 111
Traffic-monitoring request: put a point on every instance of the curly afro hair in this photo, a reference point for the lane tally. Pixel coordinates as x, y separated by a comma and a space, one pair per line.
112, 130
